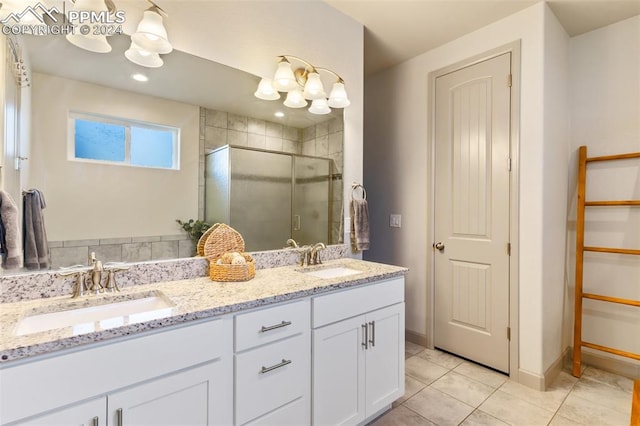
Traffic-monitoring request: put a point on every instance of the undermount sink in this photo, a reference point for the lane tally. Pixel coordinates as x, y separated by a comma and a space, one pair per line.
100, 314
332, 272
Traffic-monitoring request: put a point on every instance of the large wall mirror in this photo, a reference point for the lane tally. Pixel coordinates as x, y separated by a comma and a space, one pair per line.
128, 212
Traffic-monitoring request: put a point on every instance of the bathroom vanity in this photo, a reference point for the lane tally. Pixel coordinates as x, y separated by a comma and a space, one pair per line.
321, 345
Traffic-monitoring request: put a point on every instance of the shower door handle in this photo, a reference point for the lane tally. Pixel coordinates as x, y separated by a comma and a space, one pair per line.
296, 222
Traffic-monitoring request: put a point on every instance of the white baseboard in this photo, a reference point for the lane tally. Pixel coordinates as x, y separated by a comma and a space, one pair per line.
417, 338
630, 368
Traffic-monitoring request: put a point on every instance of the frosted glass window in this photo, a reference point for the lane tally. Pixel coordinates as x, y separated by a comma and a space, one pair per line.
100, 141
152, 147
121, 141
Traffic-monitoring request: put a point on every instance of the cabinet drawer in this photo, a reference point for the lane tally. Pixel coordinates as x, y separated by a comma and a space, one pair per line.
271, 324
295, 413
349, 303
272, 376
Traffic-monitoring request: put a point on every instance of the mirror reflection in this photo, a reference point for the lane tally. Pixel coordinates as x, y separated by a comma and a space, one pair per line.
127, 211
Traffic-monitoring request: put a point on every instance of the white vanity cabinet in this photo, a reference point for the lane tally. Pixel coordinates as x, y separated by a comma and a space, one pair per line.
272, 365
179, 376
358, 352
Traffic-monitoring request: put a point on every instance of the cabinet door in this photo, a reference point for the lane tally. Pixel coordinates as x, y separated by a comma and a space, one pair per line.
338, 373
385, 357
182, 399
91, 413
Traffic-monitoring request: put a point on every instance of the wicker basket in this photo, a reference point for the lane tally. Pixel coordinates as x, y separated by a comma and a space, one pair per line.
203, 239
224, 239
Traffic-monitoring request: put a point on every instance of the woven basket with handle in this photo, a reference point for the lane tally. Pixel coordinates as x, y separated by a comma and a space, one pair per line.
224, 239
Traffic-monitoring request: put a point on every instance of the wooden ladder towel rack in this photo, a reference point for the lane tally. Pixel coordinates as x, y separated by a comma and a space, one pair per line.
578, 343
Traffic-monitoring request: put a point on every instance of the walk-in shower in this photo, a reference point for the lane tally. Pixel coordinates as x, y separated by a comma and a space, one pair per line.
270, 196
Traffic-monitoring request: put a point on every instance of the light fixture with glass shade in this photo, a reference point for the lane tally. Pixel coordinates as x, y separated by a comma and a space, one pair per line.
92, 42
266, 90
303, 84
142, 57
151, 34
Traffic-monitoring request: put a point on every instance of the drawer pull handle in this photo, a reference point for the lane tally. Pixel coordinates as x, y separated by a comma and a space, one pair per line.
274, 327
365, 336
274, 367
94, 421
119, 416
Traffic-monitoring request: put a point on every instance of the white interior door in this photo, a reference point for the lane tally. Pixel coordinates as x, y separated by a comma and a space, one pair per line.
472, 212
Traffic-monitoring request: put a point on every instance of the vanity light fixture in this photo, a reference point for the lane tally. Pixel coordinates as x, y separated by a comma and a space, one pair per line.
303, 84
147, 43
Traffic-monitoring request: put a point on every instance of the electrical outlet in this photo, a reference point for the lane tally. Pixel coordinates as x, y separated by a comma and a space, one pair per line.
395, 221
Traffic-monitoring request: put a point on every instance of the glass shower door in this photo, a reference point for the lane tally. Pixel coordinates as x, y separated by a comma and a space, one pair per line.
311, 218
261, 198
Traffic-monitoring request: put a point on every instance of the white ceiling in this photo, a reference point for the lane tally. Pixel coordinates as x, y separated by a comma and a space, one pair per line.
397, 30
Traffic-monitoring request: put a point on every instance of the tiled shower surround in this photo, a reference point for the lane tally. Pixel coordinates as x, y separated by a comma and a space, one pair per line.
218, 128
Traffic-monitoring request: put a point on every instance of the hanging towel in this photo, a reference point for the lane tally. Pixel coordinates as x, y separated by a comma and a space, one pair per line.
359, 225
36, 248
10, 230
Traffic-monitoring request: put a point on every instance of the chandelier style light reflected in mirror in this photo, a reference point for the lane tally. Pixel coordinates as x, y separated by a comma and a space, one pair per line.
301, 85
147, 43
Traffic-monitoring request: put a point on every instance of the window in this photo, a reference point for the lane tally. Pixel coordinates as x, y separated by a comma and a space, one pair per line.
111, 140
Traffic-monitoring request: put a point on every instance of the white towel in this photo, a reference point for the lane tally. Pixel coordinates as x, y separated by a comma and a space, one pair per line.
11, 247
359, 210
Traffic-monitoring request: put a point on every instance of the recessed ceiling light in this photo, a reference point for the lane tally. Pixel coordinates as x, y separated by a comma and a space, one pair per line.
140, 77
279, 114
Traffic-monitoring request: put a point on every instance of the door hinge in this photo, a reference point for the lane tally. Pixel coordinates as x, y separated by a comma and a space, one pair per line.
508, 333
508, 249
509, 163
509, 80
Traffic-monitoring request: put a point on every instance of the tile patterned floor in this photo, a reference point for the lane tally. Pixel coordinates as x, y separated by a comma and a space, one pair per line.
443, 390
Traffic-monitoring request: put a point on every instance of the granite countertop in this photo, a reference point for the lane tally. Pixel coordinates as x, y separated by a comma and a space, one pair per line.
193, 299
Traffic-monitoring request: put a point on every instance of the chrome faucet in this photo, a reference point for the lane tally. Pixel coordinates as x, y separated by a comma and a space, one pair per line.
292, 243
315, 253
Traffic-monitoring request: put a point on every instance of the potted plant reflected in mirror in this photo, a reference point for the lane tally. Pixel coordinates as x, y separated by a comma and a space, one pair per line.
195, 229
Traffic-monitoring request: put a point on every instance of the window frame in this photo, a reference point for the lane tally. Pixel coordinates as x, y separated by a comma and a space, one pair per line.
72, 116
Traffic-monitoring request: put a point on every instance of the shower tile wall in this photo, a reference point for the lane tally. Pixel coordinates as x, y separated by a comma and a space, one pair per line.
326, 140
219, 128
129, 249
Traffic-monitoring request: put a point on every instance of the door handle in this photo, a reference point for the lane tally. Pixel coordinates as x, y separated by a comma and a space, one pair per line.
439, 246
119, 417
372, 341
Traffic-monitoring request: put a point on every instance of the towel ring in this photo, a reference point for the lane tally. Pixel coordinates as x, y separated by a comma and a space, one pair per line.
355, 186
